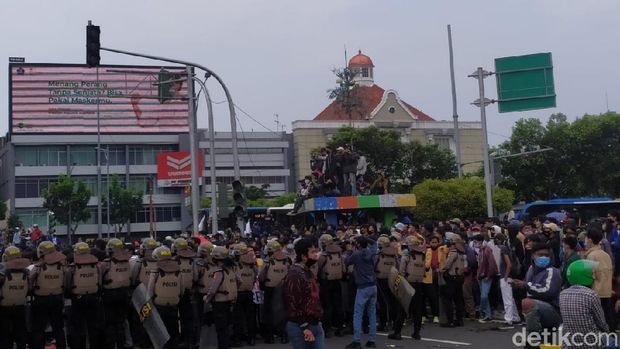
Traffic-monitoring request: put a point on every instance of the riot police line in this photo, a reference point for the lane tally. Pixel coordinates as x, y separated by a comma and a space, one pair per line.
162, 297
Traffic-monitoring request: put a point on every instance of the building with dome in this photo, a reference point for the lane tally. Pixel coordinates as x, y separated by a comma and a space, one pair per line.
383, 108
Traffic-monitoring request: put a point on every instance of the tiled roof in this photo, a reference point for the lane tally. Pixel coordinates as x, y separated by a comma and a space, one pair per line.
369, 98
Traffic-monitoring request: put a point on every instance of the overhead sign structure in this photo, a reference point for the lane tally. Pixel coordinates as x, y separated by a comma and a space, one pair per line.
61, 98
525, 82
174, 169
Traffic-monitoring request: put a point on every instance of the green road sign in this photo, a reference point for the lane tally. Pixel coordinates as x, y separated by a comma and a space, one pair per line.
525, 82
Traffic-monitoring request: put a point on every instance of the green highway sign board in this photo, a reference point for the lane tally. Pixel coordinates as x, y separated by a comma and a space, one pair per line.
525, 82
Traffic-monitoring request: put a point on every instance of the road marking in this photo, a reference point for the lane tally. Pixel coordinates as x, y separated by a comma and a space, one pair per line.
432, 340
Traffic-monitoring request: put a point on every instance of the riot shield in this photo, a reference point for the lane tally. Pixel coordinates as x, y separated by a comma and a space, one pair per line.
149, 317
401, 289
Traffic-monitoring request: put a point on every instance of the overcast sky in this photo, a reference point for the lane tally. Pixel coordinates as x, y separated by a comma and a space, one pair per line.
277, 55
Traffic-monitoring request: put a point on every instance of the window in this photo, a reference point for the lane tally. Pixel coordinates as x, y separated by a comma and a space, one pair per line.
365, 73
115, 153
83, 155
161, 214
31, 217
392, 110
32, 187
443, 141
147, 154
41, 156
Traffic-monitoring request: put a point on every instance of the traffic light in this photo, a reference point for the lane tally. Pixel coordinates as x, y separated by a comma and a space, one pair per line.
169, 86
239, 198
93, 44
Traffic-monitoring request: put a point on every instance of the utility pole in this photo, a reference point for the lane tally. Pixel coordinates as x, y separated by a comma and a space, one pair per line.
482, 102
455, 115
193, 147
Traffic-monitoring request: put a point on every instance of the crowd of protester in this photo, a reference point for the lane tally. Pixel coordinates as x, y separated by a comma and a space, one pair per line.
306, 283
342, 172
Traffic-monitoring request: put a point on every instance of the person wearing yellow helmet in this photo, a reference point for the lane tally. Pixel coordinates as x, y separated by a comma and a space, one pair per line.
413, 268
47, 281
384, 262
166, 287
184, 255
331, 271
116, 280
204, 268
271, 278
244, 309
14, 290
82, 286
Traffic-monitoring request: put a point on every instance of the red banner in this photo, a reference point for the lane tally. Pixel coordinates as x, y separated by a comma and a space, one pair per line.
174, 169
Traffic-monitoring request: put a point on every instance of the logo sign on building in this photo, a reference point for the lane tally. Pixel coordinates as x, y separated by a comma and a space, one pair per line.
525, 82
52, 98
174, 169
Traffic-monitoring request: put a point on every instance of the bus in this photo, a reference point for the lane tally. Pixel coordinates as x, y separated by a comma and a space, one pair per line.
585, 209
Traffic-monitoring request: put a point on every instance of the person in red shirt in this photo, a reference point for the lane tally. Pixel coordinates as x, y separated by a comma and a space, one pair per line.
35, 234
301, 294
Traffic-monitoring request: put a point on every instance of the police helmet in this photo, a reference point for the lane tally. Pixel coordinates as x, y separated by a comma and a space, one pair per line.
179, 244
240, 249
148, 244
219, 253
383, 241
205, 249
273, 246
11, 253
45, 248
114, 245
81, 248
162, 253
325, 239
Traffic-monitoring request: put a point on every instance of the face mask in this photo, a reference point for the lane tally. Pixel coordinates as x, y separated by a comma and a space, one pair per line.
307, 181
542, 261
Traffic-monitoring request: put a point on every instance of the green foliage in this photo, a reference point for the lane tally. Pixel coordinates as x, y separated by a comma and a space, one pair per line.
279, 201
584, 160
405, 164
462, 198
67, 199
14, 221
253, 193
124, 202
345, 93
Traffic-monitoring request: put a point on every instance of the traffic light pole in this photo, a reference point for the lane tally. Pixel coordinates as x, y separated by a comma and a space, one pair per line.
213, 214
193, 147
233, 120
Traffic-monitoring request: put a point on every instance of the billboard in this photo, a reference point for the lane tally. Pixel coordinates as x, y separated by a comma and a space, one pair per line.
174, 169
47, 98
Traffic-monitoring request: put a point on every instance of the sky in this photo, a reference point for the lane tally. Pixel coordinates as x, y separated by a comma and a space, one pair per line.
277, 56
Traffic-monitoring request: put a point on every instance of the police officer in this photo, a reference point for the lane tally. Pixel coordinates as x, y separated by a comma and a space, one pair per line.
47, 286
165, 285
222, 295
384, 262
140, 267
82, 286
204, 269
331, 269
115, 292
185, 256
271, 278
13, 296
413, 268
245, 309
453, 273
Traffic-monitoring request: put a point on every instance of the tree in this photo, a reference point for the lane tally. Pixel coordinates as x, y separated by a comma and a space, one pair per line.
346, 93
405, 164
254, 193
583, 162
460, 197
67, 199
14, 221
124, 202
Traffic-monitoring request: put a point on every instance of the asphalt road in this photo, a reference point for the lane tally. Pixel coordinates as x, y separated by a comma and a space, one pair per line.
472, 335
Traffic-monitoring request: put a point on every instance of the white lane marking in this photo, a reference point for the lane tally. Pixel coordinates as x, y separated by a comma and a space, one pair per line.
432, 340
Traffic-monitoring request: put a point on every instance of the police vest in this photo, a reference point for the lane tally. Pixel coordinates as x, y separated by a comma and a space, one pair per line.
185, 268
247, 274
85, 275
458, 267
49, 280
385, 262
332, 266
205, 275
168, 284
147, 266
117, 275
227, 292
15, 287
276, 271
415, 267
